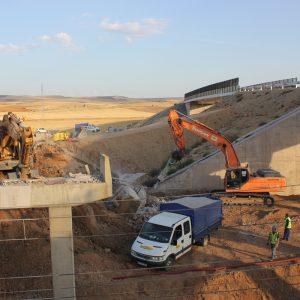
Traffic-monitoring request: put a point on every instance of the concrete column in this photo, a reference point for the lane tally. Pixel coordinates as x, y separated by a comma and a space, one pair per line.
188, 108
62, 252
105, 171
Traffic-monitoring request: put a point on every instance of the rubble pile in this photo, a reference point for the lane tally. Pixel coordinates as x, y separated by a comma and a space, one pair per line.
131, 199
71, 179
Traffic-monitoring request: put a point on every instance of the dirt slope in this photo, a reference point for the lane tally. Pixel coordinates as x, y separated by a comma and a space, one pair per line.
146, 148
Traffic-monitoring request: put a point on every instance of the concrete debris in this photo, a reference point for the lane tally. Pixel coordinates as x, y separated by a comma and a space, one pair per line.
129, 196
73, 178
87, 168
150, 208
12, 175
125, 192
129, 178
82, 178
126, 200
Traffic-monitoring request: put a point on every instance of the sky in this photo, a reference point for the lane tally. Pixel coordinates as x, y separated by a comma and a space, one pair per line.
144, 48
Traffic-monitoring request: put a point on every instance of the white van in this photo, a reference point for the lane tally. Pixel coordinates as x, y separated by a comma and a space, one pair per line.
154, 245
92, 128
170, 234
41, 130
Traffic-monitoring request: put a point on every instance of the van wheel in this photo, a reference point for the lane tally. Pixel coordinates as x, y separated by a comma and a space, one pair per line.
204, 241
169, 263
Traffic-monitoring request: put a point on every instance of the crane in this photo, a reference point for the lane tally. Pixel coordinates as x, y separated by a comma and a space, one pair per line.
237, 181
16, 144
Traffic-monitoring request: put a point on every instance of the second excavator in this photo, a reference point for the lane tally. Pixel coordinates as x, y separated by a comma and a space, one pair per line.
16, 142
238, 180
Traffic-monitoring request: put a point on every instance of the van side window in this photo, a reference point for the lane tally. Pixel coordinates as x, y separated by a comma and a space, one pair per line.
186, 227
178, 232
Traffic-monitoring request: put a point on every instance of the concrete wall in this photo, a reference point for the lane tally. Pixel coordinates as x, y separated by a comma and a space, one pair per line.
275, 145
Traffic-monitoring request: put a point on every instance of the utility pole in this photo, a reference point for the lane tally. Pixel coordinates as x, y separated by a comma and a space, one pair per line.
42, 104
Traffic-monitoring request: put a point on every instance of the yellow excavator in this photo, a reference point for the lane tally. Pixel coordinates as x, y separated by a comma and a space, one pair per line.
16, 144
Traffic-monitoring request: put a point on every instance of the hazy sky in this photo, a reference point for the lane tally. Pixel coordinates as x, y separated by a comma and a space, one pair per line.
144, 48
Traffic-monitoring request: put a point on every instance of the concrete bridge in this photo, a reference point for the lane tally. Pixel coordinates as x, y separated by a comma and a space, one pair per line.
59, 196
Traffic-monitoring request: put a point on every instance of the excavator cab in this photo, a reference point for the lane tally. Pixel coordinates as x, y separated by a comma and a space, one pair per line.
235, 178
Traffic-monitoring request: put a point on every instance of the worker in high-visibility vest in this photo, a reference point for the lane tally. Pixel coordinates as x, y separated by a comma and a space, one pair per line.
287, 227
273, 241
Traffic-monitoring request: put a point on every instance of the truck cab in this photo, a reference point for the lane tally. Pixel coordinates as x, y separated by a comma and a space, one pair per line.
163, 239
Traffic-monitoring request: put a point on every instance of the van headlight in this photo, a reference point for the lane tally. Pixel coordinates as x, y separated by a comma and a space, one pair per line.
157, 258
133, 253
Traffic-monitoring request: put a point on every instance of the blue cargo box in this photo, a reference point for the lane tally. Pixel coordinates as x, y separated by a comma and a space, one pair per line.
205, 213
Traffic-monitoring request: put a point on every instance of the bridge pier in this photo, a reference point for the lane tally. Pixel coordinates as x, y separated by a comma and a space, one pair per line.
62, 252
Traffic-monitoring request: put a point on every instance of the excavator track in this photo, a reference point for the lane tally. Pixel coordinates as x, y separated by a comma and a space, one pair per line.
246, 199
237, 199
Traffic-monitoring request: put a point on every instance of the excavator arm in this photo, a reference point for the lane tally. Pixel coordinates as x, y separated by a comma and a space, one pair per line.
178, 122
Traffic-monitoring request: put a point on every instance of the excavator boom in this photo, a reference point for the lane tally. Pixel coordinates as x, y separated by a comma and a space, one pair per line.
179, 121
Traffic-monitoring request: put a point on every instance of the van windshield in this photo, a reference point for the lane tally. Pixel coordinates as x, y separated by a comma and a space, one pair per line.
157, 233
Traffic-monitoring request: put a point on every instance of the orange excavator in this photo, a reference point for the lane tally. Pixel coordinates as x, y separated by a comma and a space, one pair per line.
238, 181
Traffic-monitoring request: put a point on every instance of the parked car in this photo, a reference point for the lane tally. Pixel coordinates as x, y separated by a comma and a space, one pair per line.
41, 130
92, 128
170, 234
88, 127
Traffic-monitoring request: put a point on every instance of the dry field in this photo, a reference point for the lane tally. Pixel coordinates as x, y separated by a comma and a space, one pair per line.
58, 113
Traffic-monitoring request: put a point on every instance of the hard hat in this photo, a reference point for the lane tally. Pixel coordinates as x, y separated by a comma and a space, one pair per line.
274, 227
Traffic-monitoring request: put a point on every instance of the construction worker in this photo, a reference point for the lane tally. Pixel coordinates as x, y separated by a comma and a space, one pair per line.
287, 227
273, 241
